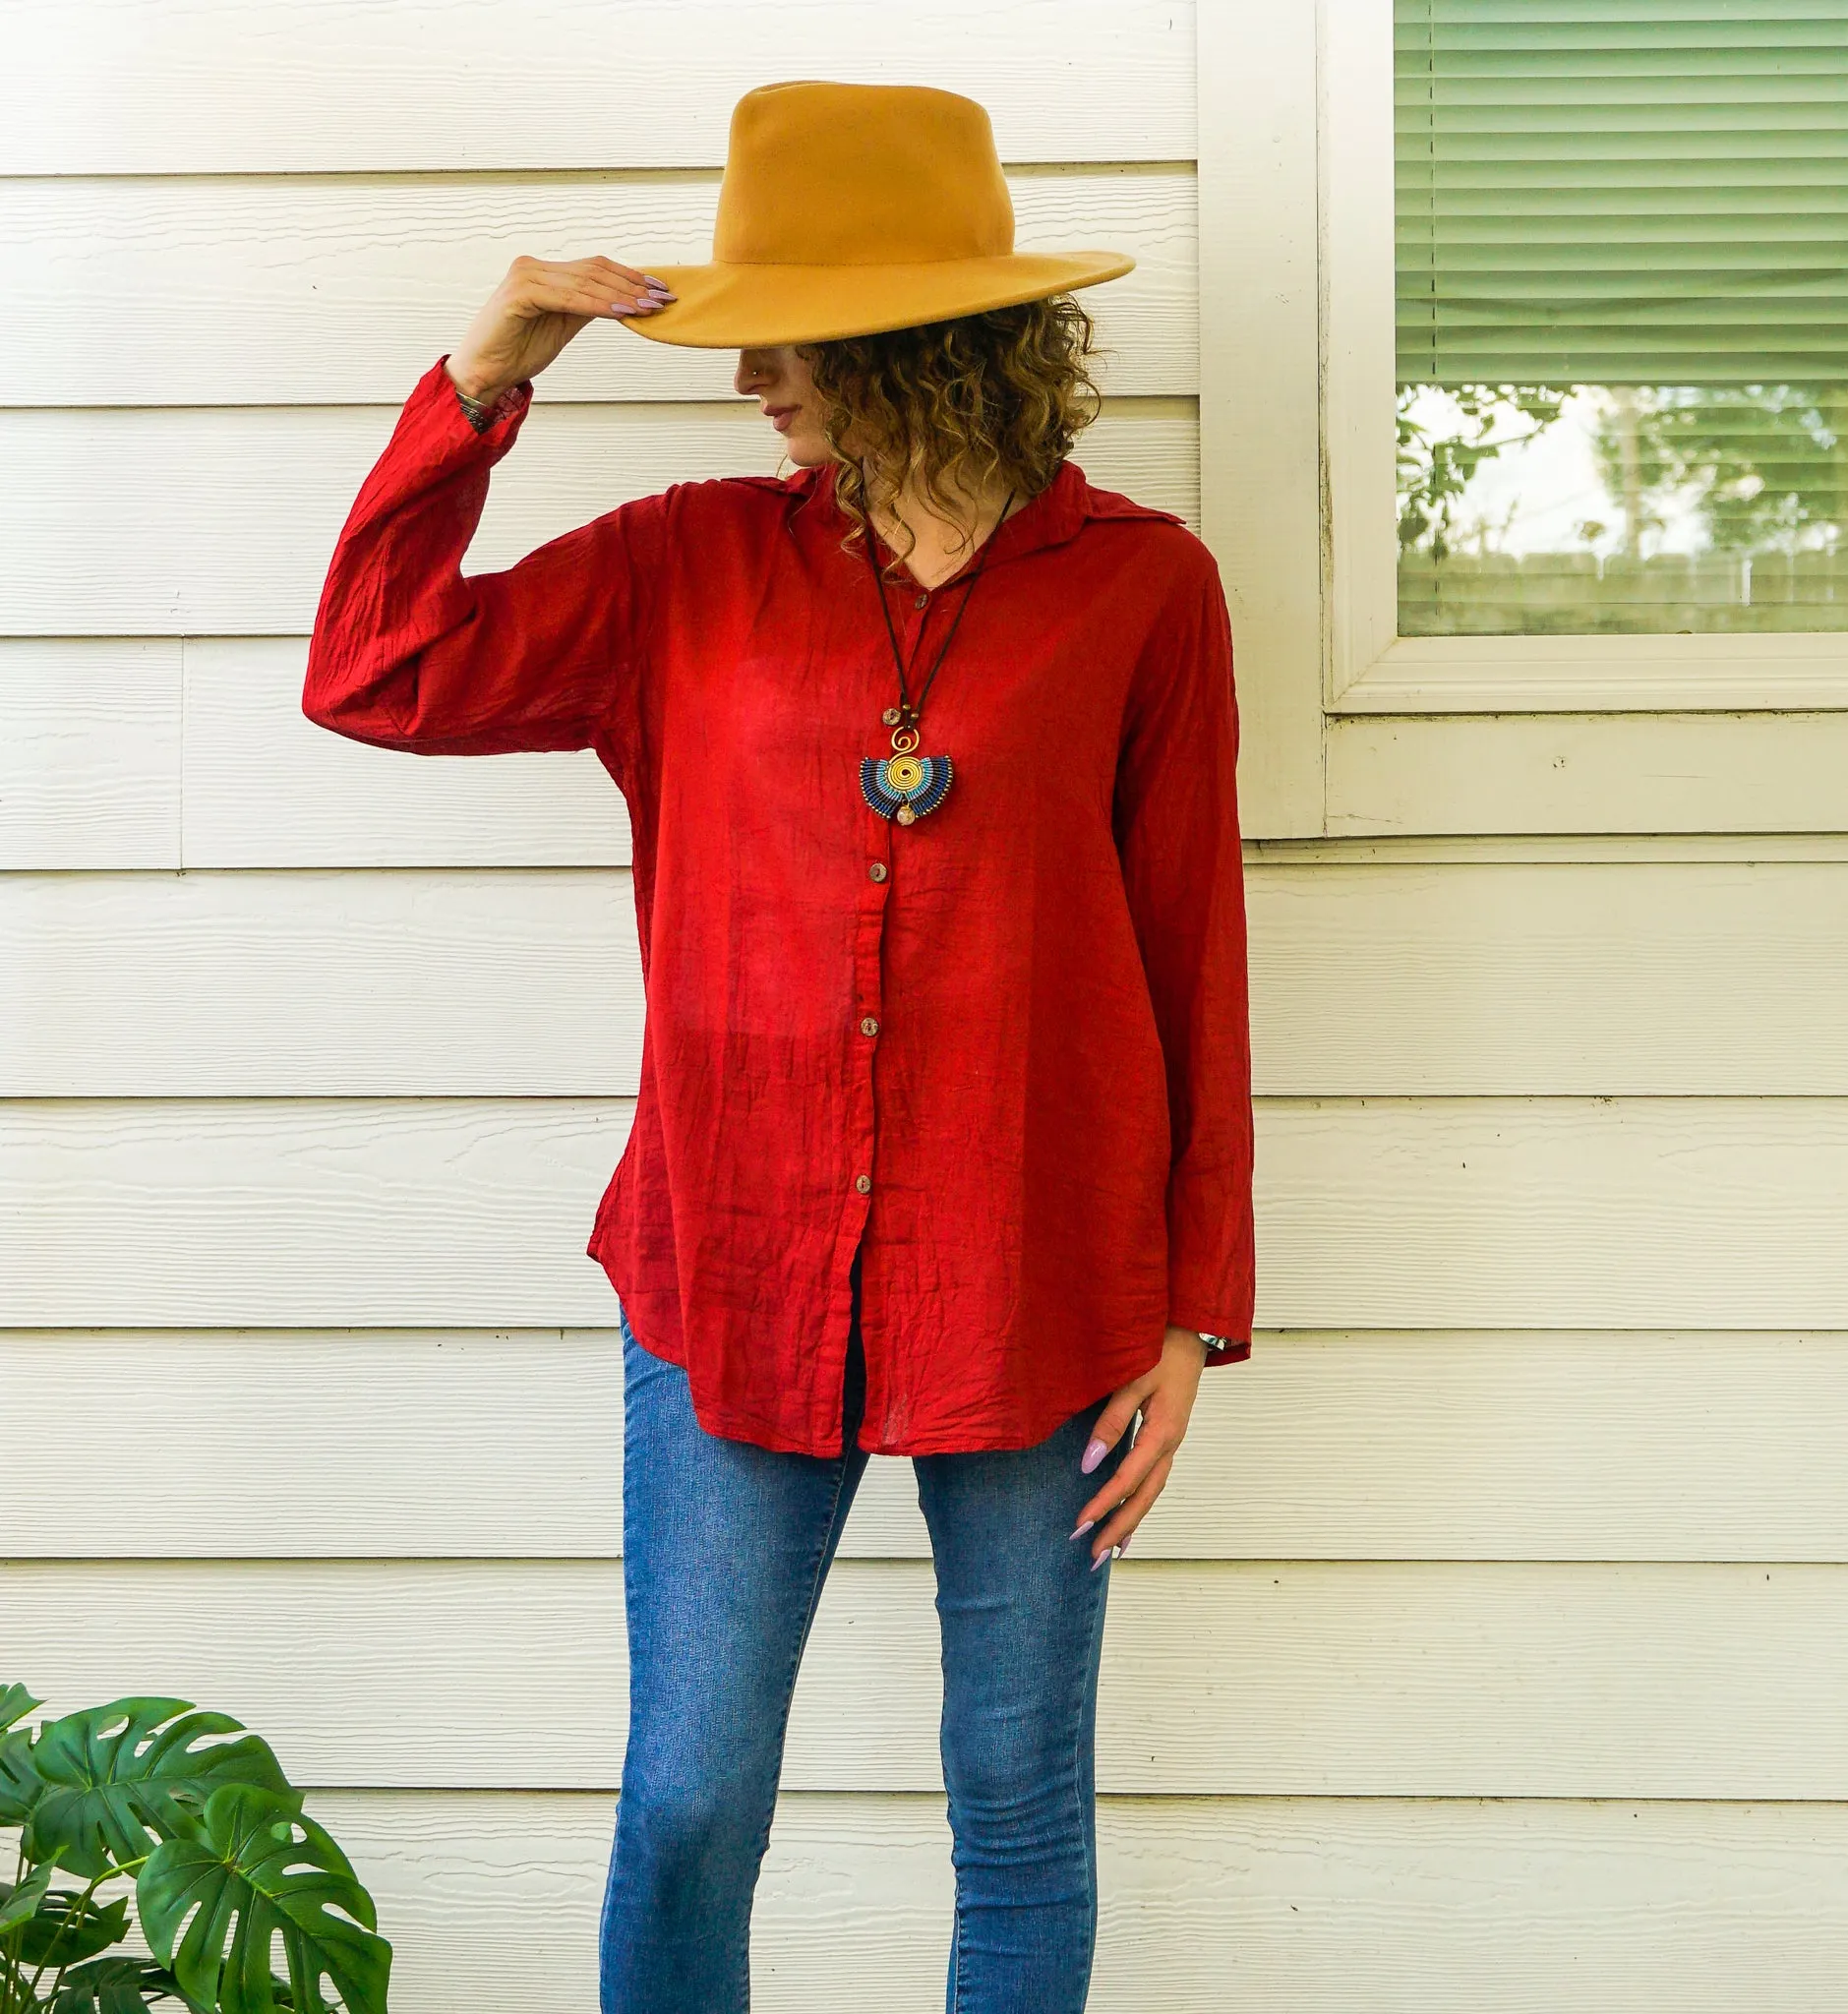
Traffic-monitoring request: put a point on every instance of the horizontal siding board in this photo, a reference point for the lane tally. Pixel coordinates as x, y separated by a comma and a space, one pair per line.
1639, 773
349, 985
1372, 1213
90, 754
1555, 849
93, 740
284, 291
1567, 1212
207, 521
1648, 979
267, 788
1271, 1678
263, 788
485, 1444
139, 86
1317, 1904
429, 1210
1638, 978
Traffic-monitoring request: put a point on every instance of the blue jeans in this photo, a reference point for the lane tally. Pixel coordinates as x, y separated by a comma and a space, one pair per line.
726, 1547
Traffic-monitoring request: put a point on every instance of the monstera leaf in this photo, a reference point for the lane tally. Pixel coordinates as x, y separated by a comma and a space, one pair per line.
116, 1778
18, 1906
114, 1985
18, 1781
253, 1869
66, 1927
16, 1702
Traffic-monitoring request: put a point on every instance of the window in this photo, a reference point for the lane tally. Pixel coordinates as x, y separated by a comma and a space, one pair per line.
1621, 233
1708, 141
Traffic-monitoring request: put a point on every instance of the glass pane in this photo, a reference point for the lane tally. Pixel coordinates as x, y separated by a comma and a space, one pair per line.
1600, 509
1621, 314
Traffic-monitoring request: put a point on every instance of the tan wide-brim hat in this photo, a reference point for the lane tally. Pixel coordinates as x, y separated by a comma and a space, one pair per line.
848, 208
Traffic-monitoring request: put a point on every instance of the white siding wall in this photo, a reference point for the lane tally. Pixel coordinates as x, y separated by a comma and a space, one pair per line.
1488, 1648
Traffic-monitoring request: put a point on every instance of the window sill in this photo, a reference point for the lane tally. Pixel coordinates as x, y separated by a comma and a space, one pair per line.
1670, 673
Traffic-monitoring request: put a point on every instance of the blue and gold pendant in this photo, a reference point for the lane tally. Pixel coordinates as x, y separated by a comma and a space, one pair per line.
905, 786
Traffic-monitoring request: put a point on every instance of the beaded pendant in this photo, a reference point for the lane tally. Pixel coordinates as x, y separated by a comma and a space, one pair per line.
906, 787
903, 785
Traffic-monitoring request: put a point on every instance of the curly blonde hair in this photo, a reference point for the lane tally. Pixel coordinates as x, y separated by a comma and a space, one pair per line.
955, 405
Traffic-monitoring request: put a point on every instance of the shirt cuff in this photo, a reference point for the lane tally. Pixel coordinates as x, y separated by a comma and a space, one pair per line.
483, 413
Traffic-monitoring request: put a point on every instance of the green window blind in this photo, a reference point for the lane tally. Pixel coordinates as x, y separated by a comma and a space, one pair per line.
1622, 192
1621, 250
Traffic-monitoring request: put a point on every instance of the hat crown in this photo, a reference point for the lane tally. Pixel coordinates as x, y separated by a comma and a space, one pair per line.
861, 174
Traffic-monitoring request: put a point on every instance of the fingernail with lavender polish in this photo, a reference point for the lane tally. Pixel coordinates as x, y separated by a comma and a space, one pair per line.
1101, 1557
653, 282
1093, 1455
1084, 1527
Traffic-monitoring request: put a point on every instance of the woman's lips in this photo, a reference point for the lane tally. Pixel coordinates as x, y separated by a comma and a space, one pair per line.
780, 417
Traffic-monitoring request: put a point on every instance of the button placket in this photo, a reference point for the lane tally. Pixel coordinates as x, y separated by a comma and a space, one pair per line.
865, 1023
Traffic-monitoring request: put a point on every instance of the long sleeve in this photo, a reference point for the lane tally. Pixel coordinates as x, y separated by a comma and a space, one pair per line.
1177, 817
407, 653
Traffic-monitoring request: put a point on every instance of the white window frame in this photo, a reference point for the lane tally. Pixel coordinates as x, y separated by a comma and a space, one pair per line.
1374, 670
1348, 727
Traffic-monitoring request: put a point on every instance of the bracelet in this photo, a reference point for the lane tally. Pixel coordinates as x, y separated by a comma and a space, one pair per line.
483, 413
479, 411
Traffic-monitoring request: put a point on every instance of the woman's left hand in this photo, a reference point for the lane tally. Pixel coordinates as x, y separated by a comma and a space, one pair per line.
1164, 1397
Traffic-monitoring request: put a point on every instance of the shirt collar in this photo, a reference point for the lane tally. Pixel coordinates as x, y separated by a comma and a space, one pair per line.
1056, 514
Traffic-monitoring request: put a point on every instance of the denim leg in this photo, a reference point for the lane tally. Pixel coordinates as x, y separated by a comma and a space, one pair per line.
1022, 1618
726, 1546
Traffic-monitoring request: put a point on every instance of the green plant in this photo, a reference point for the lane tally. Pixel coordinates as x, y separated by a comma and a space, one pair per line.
224, 1862
1435, 469
1764, 466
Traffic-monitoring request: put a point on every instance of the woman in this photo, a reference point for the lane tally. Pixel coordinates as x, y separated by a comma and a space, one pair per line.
943, 1144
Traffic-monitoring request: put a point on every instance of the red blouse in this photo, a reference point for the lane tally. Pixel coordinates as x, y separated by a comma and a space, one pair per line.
1003, 1051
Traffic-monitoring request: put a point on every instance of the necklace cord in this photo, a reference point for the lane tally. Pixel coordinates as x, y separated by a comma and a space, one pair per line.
916, 712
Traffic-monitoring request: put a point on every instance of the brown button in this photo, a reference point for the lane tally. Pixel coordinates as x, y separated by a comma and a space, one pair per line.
878, 869
923, 602
870, 1025
863, 1183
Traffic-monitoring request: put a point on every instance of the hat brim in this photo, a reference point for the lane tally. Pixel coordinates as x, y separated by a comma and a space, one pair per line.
723, 307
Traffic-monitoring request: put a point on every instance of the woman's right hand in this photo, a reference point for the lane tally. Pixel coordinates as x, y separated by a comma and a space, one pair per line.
535, 312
